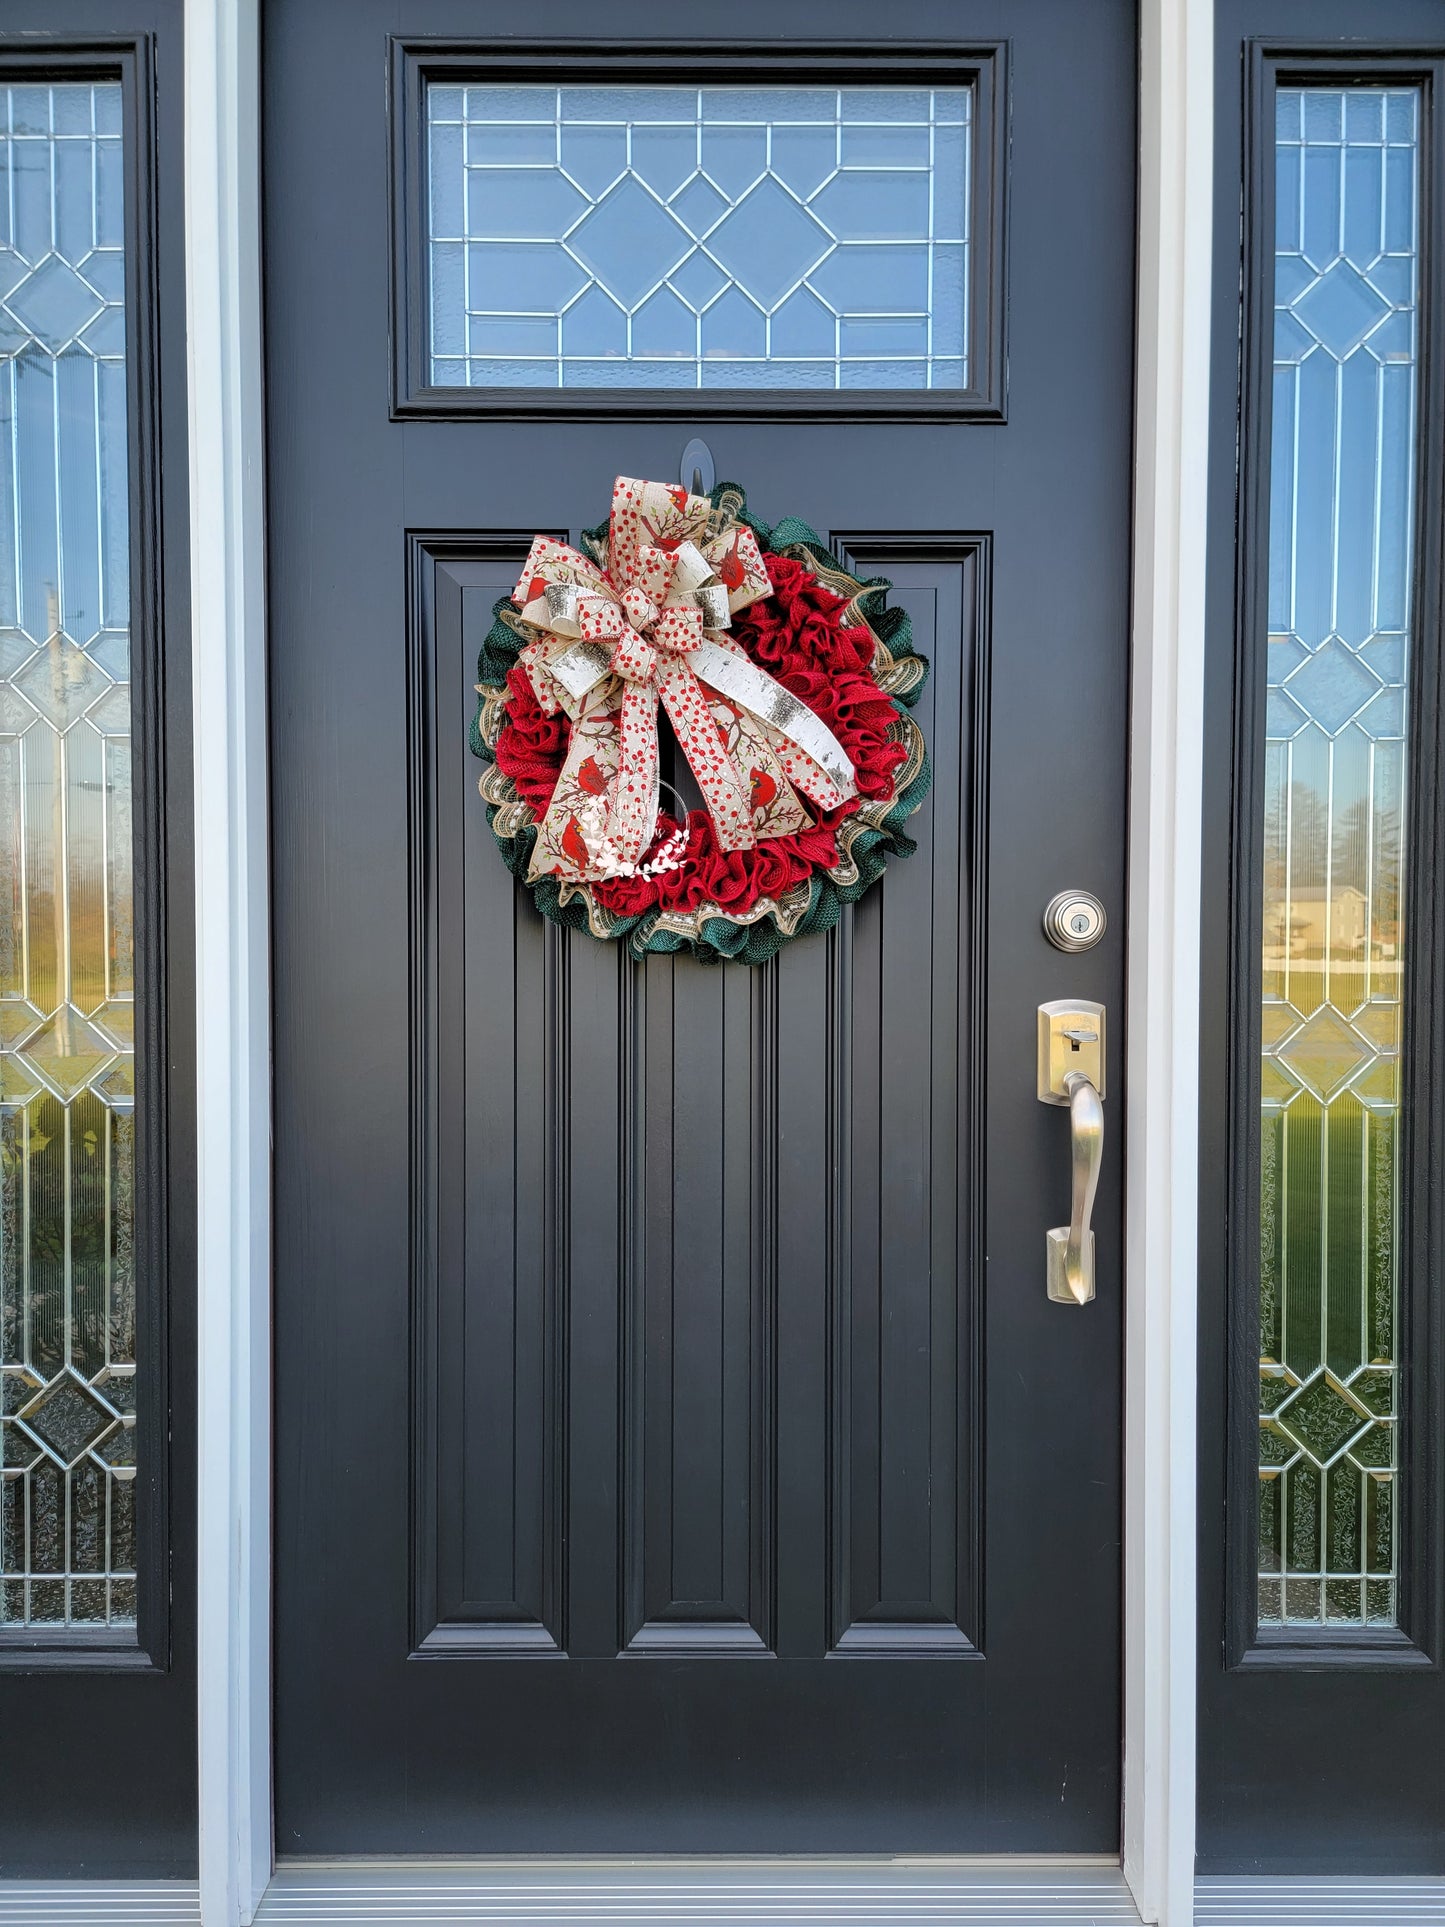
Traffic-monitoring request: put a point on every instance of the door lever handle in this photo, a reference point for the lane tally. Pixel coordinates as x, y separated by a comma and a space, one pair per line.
1071, 1246
1071, 1072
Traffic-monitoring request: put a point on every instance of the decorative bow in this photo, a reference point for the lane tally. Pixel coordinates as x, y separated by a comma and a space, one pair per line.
651, 627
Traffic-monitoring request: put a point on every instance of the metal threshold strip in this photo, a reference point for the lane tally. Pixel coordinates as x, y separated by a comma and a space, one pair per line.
704, 1893
725, 1893
660, 1893
1385, 1900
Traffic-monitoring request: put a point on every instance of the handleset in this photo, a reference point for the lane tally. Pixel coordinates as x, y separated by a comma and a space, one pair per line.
1071, 1073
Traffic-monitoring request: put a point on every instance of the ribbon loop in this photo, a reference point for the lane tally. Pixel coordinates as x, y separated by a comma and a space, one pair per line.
641, 611
634, 658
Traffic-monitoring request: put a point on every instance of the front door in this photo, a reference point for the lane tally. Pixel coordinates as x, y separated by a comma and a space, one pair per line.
677, 1448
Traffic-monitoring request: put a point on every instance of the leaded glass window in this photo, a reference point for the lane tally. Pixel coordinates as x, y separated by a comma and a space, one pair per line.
67, 1279
698, 237
1340, 640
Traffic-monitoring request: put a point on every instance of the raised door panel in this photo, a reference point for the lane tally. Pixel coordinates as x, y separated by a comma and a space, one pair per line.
695, 1246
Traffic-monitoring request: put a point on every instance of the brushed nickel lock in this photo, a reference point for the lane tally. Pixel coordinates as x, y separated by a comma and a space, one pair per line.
1071, 1072
1074, 920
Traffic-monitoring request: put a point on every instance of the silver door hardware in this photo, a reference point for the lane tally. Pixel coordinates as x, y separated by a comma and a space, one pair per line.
1074, 920
696, 471
1071, 1072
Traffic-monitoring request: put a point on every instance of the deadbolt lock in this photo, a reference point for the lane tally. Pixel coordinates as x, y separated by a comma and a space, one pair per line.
1074, 920
1071, 1043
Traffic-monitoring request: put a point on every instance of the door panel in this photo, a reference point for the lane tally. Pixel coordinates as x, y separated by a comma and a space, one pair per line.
676, 1448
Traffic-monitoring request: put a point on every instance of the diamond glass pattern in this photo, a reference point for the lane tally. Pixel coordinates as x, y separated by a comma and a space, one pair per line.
1321, 1417
67, 1283
67, 1418
1340, 623
714, 237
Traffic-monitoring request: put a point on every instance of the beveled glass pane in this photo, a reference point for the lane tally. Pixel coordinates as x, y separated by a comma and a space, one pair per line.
1341, 515
67, 1285
713, 237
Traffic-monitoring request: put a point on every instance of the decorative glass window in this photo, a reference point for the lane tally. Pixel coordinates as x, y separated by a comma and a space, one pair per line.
698, 237
67, 1276
1340, 639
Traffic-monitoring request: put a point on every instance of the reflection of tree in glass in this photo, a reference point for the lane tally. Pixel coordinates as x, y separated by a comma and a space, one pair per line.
60, 1325
1358, 851
1367, 855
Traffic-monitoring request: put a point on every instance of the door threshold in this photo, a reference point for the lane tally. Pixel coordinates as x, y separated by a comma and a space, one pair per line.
722, 1892
725, 1892
685, 1862
1302, 1900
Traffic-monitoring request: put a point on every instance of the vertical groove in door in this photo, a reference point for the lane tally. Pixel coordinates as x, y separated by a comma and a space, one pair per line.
590, 1138
490, 1072
556, 1264
762, 1060
840, 985
638, 1061
695, 1425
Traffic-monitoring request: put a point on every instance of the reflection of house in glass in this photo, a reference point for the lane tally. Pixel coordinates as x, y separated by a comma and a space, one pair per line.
1313, 923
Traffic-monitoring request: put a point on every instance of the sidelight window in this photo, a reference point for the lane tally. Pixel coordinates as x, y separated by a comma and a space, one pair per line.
1336, 858
67, 976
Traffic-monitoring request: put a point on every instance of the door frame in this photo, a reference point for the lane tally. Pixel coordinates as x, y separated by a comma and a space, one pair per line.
228, 570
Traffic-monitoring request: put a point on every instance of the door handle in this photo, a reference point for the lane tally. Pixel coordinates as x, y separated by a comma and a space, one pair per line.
1071, 1072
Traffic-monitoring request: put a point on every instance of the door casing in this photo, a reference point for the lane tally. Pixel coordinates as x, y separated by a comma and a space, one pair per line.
222, 43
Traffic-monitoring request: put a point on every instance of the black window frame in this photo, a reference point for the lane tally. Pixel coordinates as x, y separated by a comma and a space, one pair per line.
1417, 1639
129, 60
417, 63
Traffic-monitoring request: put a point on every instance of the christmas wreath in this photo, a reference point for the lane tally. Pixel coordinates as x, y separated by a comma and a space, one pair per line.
787, 682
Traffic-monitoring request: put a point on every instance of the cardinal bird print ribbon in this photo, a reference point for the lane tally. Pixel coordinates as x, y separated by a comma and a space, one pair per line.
650, 630
784, 682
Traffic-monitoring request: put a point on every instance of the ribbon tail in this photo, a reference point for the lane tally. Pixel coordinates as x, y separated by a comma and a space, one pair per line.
811, 755
573, 829
803, 773
724, 788
632, 818
533, 658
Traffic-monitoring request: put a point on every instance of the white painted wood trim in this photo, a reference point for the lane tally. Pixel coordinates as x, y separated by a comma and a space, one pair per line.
233, 1147
1176, 137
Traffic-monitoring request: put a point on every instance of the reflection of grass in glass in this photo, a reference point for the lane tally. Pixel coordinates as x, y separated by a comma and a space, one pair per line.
75, 1307
77, 1304
1328, 1194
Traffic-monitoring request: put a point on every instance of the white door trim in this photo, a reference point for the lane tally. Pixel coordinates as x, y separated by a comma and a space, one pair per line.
232, 967
1176, 154
233, 1085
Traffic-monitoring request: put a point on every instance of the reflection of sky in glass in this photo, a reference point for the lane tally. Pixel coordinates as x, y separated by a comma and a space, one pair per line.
1341, 509
684, 237
67, 1336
